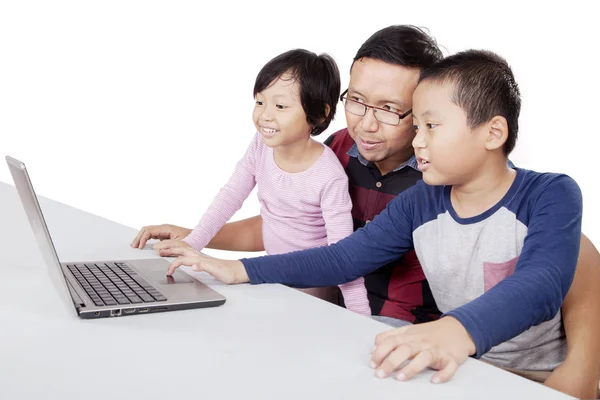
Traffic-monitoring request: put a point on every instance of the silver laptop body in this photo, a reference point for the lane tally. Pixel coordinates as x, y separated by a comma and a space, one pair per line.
110, 288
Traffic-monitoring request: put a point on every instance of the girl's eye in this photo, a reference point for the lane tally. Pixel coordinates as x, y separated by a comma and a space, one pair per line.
258, 103
431, 126
416, 128
280, 106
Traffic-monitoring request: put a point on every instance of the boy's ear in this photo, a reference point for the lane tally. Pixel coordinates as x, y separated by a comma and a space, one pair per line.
497, 133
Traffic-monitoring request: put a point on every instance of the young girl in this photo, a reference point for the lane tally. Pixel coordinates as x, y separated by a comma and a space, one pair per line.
302, 188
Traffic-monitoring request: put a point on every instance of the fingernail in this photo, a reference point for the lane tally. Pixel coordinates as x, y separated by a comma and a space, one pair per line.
401, 376
436, 379
372, 364
380, 373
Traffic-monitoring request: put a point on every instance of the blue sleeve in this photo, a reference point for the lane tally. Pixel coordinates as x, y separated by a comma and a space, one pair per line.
381, 241
543, 274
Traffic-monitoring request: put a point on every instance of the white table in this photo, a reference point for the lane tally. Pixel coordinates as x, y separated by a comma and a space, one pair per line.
266, 342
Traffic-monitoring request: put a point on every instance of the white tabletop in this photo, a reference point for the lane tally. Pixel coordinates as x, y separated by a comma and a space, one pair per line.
266, 342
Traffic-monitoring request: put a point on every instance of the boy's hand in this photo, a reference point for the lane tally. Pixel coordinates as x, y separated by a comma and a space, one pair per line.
161, 232
164, 247
227, 271
441, 345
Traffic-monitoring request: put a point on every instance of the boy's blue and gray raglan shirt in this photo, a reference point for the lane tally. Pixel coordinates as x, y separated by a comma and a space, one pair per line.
503, 274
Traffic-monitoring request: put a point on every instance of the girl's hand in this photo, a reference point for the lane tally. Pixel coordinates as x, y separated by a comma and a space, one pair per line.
161, 232
164, 248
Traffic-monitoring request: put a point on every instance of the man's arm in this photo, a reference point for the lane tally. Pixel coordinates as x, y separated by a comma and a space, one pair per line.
579, 373
243, 235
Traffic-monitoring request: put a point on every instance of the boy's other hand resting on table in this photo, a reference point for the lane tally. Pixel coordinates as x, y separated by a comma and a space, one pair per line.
440, 345
227, 271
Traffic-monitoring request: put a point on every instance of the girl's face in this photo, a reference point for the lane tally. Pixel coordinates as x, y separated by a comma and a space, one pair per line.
278, 114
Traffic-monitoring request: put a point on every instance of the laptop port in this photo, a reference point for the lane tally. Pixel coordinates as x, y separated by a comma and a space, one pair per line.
115, 313
129, 310
142, 310
158, 309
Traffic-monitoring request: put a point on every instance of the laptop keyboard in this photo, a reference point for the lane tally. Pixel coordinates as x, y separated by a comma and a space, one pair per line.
109, 284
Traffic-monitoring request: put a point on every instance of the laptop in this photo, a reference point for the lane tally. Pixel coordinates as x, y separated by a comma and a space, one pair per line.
115, 288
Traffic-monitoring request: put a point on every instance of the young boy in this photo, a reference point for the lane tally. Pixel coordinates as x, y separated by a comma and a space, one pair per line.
499, 246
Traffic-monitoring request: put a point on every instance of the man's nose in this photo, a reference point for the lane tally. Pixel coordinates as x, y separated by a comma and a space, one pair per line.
369, 123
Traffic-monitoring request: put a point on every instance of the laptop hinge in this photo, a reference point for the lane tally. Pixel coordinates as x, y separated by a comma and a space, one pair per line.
77, 301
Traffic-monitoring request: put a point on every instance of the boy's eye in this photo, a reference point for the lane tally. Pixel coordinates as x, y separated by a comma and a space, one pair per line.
280, 106
392, 109
259, 103
353, 98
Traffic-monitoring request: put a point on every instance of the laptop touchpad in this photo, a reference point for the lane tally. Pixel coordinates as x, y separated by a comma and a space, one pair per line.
161, 278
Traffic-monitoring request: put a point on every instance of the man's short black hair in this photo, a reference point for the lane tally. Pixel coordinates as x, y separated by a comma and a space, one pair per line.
404, 45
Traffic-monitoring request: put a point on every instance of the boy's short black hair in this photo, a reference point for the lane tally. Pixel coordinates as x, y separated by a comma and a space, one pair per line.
404, 45
484, 87
319, 80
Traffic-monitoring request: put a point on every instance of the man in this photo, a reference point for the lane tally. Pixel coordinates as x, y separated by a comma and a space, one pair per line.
378, 158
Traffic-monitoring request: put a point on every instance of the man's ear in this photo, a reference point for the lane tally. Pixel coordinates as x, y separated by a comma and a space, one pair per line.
496, 133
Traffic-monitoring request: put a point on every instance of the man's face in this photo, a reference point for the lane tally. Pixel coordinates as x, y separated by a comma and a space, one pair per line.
377, 83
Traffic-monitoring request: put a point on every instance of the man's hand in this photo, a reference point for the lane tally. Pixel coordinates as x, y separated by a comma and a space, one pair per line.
227, 271
161, 232
574, 381
441, 345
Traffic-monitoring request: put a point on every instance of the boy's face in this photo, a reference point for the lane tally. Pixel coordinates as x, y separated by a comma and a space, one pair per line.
377, 83
278, 114
449, 152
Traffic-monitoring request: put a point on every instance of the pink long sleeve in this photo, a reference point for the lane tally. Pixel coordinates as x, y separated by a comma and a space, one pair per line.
337, 207
300, 210
228, 201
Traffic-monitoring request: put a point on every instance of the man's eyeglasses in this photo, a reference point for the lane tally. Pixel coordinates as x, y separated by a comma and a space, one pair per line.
381, 114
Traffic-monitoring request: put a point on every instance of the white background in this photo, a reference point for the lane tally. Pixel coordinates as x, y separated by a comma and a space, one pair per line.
139, 110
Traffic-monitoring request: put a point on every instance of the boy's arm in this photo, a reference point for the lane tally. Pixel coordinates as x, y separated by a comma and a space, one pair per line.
578, 375
229, 199
543, 274
386, 238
